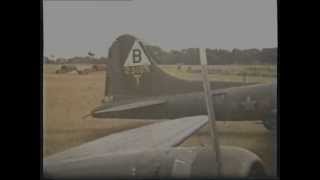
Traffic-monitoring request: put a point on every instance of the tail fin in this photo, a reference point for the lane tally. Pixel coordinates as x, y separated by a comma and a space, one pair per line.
129, 69
132, 72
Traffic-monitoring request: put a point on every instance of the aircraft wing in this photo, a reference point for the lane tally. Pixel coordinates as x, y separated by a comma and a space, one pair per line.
158, 135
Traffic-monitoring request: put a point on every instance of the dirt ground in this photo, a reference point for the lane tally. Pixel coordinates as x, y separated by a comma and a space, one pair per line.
69, 97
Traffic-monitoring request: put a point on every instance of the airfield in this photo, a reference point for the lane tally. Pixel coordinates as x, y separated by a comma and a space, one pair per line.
69, 97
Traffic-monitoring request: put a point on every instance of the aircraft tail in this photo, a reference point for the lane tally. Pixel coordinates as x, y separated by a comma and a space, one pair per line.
132, 72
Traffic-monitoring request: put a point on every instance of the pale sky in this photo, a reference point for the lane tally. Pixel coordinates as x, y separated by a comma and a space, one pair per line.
74, 28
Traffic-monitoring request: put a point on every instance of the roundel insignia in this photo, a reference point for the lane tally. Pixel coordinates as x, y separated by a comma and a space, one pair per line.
137, 62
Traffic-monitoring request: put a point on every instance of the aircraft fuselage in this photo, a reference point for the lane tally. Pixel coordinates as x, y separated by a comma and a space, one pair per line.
252, 102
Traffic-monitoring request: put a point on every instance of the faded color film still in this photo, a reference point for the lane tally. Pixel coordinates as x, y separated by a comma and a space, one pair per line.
126, 93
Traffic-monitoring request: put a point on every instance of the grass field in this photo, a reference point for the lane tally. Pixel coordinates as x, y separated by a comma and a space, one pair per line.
68, 97
254, 73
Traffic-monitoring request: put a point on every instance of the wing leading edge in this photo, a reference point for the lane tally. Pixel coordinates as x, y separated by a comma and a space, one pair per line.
158, 135
130, 106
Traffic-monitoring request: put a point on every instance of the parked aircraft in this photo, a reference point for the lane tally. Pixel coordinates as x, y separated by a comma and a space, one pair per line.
137, 88
152, 151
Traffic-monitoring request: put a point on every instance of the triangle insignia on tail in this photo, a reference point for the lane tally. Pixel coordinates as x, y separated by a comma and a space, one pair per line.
137, 62
136, 56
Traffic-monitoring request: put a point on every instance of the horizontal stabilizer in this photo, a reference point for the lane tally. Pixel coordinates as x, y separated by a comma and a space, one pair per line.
130, 106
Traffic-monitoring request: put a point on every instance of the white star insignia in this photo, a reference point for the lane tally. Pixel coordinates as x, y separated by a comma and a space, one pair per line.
249, 104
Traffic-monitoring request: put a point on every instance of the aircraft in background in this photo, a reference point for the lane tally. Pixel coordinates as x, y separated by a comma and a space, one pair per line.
137, 88
151, 151
91, 54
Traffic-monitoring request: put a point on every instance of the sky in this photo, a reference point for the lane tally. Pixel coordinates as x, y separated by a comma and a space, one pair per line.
73, 28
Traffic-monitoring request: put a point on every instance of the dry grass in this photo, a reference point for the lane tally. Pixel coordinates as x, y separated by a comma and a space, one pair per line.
68, 97
255, 73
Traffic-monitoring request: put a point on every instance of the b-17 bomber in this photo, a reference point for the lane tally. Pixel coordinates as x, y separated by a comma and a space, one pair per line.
137, 88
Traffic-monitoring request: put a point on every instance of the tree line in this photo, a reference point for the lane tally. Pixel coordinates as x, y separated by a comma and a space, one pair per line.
215, 56
189, 57
76, 60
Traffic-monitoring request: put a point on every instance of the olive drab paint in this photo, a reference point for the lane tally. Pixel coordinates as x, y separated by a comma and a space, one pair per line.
133, 72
